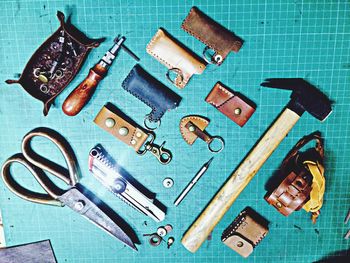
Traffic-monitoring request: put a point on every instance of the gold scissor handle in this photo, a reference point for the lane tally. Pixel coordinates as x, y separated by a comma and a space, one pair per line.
70, 175
39, 175
37, 164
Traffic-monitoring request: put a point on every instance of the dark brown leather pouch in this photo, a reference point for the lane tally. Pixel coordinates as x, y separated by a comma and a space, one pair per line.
233, 105
55, 63
218, 38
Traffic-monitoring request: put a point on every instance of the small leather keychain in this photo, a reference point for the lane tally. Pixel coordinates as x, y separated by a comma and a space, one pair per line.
193, 127
112, 120
303, 185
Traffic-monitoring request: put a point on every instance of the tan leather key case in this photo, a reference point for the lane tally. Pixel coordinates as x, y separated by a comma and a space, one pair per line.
218, 38
176, 57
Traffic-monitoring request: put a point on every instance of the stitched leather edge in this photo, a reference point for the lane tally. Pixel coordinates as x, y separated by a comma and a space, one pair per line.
125, 83
224, 90
183, 129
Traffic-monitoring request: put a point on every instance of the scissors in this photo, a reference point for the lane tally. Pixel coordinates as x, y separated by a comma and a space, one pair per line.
72, 197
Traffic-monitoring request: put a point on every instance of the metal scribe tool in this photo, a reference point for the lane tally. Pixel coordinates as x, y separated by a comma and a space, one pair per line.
119, 182
195, 179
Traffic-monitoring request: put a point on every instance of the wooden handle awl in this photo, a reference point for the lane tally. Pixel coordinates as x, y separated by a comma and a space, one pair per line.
82, 94
222, 201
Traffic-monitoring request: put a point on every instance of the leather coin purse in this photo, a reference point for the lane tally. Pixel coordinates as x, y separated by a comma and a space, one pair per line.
55, 63
215, 36
152, 92
176, 57
245, 232
231, 104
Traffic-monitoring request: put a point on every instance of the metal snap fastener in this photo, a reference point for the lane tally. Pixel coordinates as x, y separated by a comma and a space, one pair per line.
191, 128
79, 205
168, 182
278, 204
161, 231
239, 244
123, 131
109, 122
133, 142
238, 111
138, 134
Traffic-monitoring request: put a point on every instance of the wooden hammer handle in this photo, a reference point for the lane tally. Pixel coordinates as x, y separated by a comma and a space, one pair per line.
222, 201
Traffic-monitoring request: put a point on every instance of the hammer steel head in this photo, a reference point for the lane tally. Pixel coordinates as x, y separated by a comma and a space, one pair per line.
304, 97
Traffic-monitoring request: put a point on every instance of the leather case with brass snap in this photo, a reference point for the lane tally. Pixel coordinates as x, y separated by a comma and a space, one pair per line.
55, 63
176, 57
245, 232
233, 105
218, 38
150, 91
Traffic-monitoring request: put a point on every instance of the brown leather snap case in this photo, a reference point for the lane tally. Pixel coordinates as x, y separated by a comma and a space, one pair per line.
176, 57
233, 105
245, 232
211, 33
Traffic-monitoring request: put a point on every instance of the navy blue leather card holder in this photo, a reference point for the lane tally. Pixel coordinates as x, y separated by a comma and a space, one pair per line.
151, 91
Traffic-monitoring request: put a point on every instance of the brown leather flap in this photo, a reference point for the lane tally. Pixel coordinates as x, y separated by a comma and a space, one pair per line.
200, 122
211, 33
230, 104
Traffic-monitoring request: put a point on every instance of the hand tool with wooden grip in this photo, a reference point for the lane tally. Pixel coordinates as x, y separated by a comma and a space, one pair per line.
304, 97
81, 95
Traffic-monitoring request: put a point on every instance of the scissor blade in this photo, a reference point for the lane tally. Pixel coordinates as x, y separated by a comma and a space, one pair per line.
81, 204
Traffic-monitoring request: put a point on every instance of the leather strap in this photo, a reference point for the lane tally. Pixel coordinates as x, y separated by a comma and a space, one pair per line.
304, 185
245, 232
199, 124
121, 127
198, 132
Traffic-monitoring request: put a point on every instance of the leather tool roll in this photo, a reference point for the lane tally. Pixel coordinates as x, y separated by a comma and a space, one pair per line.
245, 232
116, 123
230, 104
176, 57
55, 63
150, 91
211, 33
303, 185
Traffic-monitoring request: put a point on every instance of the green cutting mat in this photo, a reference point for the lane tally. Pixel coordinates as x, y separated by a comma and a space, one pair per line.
307, 39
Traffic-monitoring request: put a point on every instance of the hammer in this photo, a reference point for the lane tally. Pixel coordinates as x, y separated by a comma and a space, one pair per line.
304, 97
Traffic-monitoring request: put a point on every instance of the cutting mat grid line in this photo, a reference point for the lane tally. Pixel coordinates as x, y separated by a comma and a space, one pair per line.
294, 38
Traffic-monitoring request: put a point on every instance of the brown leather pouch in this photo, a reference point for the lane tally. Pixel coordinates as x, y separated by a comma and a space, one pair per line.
297, 169
55, 63
215, 36
176, 57
245, 232
233, 105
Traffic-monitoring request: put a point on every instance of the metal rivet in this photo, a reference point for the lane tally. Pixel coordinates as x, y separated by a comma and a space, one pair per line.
238, 111
168, 228
79, 205
278, 204
138, 134
168, 182
133, 142
43, 78
170, 241
161, 231
109, 122
123, 131
239, 244
191, 128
